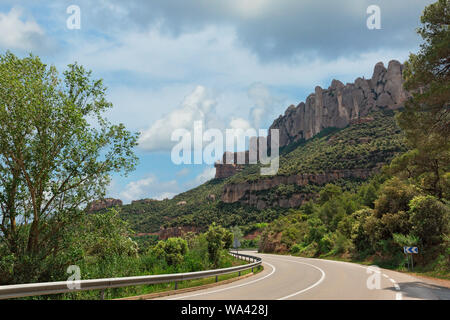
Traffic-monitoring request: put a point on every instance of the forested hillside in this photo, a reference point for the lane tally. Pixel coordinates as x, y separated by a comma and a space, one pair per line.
365, 145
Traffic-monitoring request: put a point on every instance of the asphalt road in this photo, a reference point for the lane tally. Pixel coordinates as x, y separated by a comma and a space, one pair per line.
287, 277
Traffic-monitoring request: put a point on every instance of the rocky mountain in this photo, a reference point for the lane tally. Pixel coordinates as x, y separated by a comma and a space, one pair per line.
336, 107
340, 135
341, 104
102, 204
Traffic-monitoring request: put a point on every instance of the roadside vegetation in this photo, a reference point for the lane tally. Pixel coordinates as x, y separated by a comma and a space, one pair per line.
57, 151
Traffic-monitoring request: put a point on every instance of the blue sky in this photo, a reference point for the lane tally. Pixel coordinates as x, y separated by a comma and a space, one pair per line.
234, 63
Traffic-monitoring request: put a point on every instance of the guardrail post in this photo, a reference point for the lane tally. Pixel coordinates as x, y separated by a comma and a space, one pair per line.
217, 278
102, 294
239, 273
176, 285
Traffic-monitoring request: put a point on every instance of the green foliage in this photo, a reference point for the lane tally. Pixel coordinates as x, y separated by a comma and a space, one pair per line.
429, 219
57, 151
394, 196
172, 250
405, 240
426, 117
218, 239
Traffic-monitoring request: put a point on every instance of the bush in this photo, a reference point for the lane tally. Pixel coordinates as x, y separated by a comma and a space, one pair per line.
358, 234
218, 239
394, 196
296, 248
172, 250
429, 219
326, 243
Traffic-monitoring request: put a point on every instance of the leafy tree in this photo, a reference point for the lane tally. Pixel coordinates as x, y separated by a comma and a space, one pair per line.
218, 239
329, 192
171, 250
429, 219
56, 154
426, 118
405, 240
394, 196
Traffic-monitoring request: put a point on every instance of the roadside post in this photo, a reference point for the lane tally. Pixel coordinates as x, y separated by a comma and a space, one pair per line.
236, 244
409, 251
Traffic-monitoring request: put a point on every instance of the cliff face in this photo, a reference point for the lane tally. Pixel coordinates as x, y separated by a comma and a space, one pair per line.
104, 204
340, 104
246, 192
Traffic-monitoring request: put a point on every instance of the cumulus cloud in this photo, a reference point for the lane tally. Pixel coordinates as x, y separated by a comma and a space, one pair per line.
239, 123
18, 33
197, 106
282, 29
206, 175
149, 187
264, 104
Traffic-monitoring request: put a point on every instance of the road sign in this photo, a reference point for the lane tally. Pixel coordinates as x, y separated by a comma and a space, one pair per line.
410, 250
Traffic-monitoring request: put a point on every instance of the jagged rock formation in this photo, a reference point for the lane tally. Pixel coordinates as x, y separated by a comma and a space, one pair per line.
143, 201
104, 204
246, 192
237, 160
340, 105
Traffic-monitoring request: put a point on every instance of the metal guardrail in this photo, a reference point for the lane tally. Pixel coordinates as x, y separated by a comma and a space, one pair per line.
47, 288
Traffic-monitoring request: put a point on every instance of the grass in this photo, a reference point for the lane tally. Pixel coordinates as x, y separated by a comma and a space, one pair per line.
117, 293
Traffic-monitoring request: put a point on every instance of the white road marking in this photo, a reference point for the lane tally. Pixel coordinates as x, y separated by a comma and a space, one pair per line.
306, 289
397, 287
228, 288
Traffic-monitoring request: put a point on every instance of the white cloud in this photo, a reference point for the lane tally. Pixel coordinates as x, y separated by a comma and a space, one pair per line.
206, 175
264, 104
149, 187
198, 106
239, 123
183, 172
19, 34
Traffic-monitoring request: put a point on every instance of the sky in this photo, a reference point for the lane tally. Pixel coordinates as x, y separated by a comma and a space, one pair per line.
226, 63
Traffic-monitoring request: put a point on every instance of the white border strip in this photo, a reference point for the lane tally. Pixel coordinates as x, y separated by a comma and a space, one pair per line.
228, 288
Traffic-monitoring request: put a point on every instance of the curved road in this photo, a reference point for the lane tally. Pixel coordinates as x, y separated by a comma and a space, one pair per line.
288, 277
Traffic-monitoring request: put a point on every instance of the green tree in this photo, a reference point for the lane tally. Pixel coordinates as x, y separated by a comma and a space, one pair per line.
171, 250
56, 153
329, 192
426, 118
218, 239
394, 196
429, 219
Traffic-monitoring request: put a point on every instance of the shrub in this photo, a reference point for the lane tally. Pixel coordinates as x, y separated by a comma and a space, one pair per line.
218, 239
296, 248
358, 234
394, 196
326, 243
429, 219
171, 250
